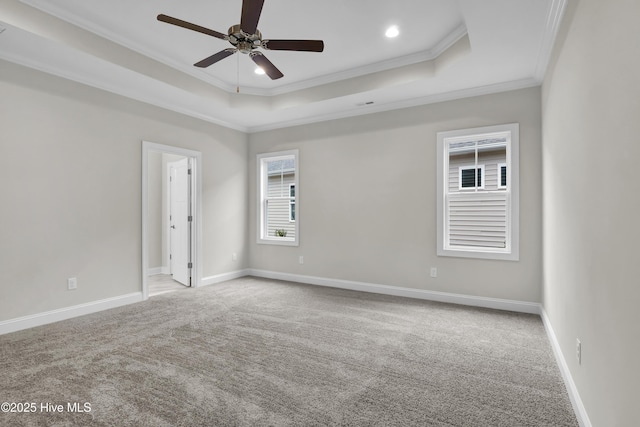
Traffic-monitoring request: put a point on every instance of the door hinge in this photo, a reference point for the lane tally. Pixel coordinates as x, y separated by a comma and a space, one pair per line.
190, 265
188, 171
170, 256
189, 218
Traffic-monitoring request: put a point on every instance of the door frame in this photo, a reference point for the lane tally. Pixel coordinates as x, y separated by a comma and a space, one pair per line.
196, 197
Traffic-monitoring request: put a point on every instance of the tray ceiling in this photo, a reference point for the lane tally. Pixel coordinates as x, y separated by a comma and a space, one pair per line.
445, 50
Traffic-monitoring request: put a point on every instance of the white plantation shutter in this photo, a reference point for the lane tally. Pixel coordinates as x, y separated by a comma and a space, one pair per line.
477, 219
278, 201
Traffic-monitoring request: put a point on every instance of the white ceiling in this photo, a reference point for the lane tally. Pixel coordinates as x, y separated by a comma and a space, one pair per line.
446, 49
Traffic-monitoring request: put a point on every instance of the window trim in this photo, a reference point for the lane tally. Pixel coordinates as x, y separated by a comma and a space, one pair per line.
262, 235
511, 253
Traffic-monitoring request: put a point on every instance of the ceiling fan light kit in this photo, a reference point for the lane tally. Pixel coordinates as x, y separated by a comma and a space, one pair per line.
246, 38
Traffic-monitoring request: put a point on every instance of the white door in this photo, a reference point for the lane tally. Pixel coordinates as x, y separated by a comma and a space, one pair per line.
180, 221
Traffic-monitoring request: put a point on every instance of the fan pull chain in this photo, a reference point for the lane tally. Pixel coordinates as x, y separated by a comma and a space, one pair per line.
238, 71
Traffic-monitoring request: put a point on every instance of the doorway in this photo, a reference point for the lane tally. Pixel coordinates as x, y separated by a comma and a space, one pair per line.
171, 243
179, 219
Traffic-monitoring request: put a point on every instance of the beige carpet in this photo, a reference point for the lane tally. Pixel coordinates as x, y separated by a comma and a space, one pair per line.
254, 352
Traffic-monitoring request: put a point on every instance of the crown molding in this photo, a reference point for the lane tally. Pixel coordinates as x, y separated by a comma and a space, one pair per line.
427, 55
127, 83
53, 10
446, 42
552, 26
407, 103
108, 77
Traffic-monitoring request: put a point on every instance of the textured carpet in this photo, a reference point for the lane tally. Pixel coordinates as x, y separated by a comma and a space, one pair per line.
255, 352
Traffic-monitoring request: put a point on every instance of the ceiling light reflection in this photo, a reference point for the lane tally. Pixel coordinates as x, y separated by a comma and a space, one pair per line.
392, 31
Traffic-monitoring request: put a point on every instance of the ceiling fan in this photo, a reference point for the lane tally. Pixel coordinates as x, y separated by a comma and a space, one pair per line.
246, 38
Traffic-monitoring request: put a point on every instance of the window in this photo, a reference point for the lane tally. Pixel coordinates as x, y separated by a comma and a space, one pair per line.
469, 180
502, 175
477, 191
292, 202
277, 198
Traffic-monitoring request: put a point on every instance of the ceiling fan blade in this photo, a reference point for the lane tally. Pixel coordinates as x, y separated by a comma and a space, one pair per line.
215, 58
190, 26
251, 10
300, 45
266, 65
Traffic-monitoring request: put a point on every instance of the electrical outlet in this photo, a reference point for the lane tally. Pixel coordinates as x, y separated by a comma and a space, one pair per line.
434, 272
72, 283
579, 351
234, 257
301, 259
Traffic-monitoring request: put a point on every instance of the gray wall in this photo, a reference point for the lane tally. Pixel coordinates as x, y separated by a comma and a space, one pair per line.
367, 199
591, 154
71, 187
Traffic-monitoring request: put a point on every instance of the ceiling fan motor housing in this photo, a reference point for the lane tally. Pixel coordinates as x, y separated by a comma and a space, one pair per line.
242, 41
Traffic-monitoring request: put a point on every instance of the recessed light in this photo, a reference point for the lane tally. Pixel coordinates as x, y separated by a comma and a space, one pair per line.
392, 31
259, 71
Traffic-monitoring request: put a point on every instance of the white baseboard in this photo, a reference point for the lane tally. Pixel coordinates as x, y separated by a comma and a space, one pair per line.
20, 323
25, 322
218, 278
154, 271
495, 303
572, 390
31, 321
158, 270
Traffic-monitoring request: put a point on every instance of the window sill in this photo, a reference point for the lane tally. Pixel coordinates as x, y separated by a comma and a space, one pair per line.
278, 242
480, 254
